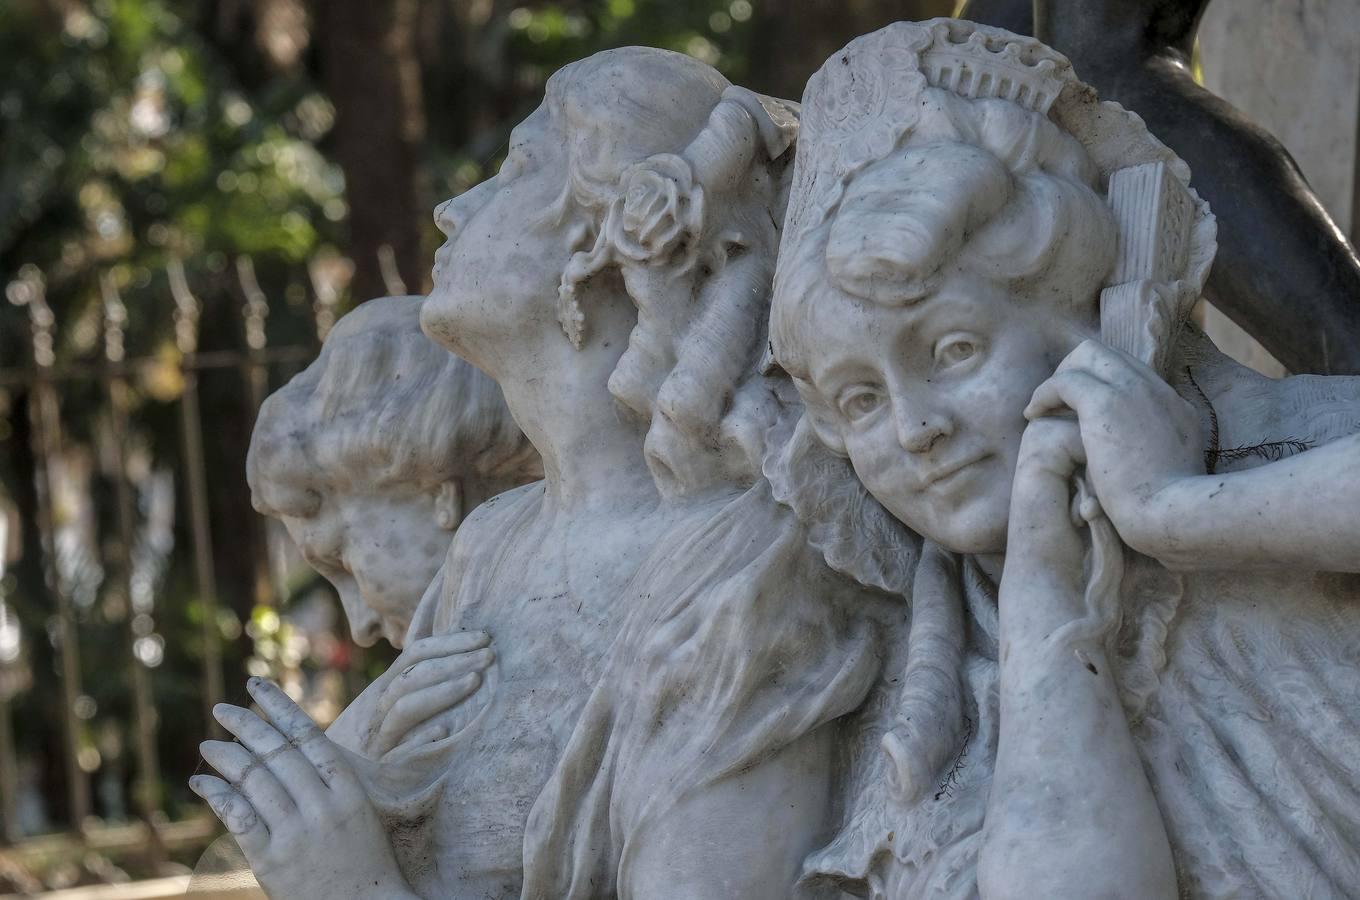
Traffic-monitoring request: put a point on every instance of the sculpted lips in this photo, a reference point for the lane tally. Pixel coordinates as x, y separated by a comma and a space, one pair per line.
441, 259
943, 475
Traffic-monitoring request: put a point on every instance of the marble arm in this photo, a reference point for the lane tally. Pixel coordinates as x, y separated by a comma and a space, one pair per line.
1071, 812
1144, 456
1300, 511
1285, 272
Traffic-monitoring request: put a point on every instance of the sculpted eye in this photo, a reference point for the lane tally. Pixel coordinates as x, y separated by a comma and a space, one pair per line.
860, 402
952, 351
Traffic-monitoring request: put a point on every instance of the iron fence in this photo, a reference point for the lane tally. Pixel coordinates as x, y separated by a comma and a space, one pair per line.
141, 506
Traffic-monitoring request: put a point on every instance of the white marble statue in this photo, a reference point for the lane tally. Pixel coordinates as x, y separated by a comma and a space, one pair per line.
1075, 719
629, 739
974, 571
374, 453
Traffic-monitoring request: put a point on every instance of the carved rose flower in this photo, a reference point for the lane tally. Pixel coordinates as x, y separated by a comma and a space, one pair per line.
660, 208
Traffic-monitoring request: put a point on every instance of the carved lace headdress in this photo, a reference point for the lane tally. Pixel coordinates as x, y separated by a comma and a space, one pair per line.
865, 101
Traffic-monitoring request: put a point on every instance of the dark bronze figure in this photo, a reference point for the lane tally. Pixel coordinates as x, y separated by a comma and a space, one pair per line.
1285, 272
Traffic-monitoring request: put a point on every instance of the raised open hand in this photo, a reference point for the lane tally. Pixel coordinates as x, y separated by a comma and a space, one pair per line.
290, 797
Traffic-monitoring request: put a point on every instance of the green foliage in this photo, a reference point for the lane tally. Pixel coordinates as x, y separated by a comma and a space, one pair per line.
128, 139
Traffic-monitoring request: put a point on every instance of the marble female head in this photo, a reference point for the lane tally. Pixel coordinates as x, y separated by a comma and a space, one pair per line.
943, 276
371, 456
635, 215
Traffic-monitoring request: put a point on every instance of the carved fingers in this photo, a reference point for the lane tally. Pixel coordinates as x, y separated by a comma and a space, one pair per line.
236, 812
268, 750
1087, 377
324, 758
432, 676
430, 672
284, 766
442, 645
1041, 528
415, 709
1052, 446
295, 804
1138, 434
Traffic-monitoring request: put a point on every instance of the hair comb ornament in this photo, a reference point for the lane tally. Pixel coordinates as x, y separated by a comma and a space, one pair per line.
1142, 310
977, 62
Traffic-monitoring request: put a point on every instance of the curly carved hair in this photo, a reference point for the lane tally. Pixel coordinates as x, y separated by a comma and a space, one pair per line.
382, 404
999, 188
676, 181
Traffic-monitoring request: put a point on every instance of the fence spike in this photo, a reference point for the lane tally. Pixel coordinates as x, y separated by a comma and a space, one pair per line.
187, 308
391, 275
257, 304
115, 317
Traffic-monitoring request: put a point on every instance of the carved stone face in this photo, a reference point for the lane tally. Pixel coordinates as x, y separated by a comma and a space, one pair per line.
496, 277
927, 399
381, 549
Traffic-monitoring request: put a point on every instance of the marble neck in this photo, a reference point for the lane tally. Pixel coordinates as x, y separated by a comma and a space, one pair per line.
591, 447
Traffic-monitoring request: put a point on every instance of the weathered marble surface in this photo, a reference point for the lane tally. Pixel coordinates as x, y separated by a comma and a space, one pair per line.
959, 566
1075, 719
372, 456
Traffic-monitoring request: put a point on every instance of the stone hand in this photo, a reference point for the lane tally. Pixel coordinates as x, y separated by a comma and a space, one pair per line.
1043, 532
1137, 433
430, 679
291, 799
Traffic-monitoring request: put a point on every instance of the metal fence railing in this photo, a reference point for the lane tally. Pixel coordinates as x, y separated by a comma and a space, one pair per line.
140, 545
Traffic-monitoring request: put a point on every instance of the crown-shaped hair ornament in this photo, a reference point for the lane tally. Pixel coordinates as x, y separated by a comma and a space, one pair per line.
975, 62
866, 100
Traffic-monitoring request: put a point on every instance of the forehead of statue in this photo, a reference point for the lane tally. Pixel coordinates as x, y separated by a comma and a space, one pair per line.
957, 293
841, 329
537, 134
844, 329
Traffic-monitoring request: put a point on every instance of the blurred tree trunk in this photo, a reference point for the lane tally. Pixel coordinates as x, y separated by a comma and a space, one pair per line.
370, 67
792, 38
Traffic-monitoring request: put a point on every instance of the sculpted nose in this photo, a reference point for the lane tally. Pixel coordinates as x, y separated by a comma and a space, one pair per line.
453, 214
918, 429
443, 218
365, 627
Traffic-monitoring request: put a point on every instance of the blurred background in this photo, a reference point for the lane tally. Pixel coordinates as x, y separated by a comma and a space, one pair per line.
191, 191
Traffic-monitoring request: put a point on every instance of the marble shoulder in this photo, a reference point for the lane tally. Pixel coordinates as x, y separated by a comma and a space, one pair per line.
500, 508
